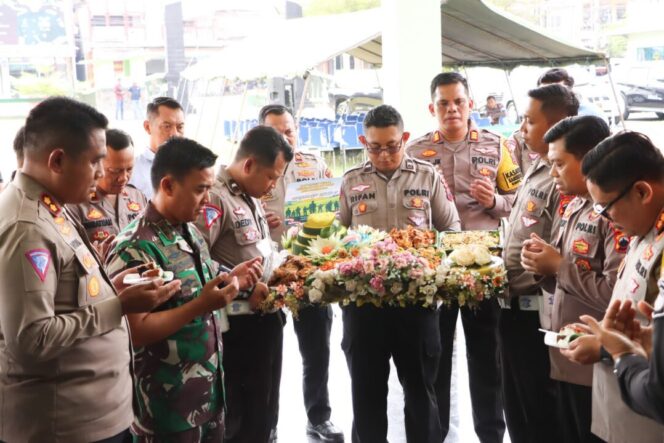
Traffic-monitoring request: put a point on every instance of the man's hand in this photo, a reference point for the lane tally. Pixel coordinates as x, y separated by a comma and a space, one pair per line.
615, 343
145, 297
620, 316
258, 296
217, 298
248, 273
584, 350
484, 192
102, 247
539, 257
273, 220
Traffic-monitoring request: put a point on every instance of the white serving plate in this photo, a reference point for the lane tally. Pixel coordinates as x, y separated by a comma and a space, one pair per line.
136, 279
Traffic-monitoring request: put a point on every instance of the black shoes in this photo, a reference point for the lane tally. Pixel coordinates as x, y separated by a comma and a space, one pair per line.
325, 431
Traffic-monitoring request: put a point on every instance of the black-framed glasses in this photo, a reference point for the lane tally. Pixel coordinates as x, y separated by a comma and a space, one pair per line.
604, 210
387, 149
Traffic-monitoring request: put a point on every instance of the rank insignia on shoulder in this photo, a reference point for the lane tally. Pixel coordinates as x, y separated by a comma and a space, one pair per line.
564, 202
133, 206
660, 222
648, 253
39, 259
410, 165
436, 137
474, 135
50, 204
212, 214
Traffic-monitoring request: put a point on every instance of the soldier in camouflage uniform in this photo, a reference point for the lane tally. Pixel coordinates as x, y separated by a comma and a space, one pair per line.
178, 347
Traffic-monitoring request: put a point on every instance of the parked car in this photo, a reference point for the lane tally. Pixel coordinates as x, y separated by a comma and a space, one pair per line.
642, 89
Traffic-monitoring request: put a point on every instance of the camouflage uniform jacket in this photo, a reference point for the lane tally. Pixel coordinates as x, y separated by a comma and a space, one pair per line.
179, 380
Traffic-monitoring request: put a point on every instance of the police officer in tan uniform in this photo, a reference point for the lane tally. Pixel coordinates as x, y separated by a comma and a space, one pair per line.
64, 348
393, 190
528, 391
235, 227
314, 323
584, 257
115, 203
483, 178
624, 174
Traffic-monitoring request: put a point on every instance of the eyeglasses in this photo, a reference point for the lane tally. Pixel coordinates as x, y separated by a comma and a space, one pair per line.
603, 210
381, 149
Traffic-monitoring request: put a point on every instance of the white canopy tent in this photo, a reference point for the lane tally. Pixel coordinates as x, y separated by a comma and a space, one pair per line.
473, 34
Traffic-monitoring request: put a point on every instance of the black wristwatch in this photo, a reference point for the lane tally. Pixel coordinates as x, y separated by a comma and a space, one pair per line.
605, 357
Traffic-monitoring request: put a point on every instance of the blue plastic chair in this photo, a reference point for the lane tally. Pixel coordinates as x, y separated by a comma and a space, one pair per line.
349, 137
318, 137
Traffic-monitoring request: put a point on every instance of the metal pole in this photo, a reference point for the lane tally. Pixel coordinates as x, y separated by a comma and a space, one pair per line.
615, 95
216, 119
509, 86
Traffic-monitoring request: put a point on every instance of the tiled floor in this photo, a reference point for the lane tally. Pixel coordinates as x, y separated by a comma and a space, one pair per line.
292, 417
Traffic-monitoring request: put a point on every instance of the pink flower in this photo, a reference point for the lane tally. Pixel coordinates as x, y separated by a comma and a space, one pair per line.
415, 273
377, 284
282, 290
368, 267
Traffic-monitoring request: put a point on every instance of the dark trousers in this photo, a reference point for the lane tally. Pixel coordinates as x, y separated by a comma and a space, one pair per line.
252, 365
528, 390
411, 337
575, 411
313, 328
122, 437
480, 328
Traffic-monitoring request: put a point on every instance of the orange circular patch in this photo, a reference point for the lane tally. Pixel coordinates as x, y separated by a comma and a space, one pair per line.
93, 287
362, 208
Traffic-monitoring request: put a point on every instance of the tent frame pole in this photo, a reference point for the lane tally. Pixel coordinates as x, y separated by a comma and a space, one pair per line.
509, 86
615, 94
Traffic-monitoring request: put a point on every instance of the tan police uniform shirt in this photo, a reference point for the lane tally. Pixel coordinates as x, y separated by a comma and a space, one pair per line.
234, 225
415, 195
480, 155
64, 346
304, 166
612, 420
521, 152
592, 251
536, 210
101, 218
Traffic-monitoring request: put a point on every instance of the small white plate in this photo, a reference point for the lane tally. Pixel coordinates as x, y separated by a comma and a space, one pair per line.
136, 279
551, 339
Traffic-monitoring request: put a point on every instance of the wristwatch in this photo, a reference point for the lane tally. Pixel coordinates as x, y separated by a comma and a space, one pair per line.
605, 357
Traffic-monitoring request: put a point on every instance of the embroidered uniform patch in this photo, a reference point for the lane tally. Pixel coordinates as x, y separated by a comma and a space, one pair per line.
212, 214
133, 206
360, 188
528, 221
39, 259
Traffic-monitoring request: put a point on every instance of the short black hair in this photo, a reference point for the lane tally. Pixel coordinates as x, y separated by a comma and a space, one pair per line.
581, 133
556, 75
621, 159
19, 142
275, 109
264, 144
61, 122
178, 157
383, 116
153, 106
557, 101
489, 97
118, 140
448, 78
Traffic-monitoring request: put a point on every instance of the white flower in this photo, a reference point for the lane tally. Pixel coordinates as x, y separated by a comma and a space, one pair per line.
463, 256
482, 254
324, 247
328, 276
318, 284
315, 296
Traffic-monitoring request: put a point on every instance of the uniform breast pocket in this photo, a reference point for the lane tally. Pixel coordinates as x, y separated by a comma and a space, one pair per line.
417, 211
364, 209
92, 287
584, 252
483, 165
